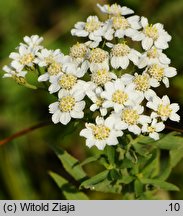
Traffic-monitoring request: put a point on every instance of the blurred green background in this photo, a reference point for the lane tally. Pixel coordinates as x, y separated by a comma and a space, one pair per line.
25, 162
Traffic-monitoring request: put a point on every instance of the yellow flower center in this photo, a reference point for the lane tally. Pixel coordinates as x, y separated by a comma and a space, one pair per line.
152, 53
120, 23
120, 50
98, 55
164, 110
99, 101
19, 80
114, 9
78, 50
92, 25
49, 60
142, 82
100, 77
101, 132
67, 103
119, 97
130, 116
54, 68
156, 72
27, 59
151, 129
151, 31
67, 81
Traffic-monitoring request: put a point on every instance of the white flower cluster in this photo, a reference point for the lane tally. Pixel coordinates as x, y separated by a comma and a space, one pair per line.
118, 80
24, 59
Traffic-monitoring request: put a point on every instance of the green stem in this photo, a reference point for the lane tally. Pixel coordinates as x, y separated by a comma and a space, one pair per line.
30, 86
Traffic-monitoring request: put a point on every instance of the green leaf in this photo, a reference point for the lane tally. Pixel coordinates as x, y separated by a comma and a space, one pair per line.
170, 141
70, 164
138, 186
101, 183
165, 170
111, 151
142, 149
107, 187
68, 190
176, 155
126, 163
161, 184
89, 183
103, 161
113, 175
152, 166
126, 178
90, 160
132, 156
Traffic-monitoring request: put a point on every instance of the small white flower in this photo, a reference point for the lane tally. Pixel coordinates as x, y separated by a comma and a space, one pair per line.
99, 59
47, 57
101, 77
142, 83
68, 79
117, 95
152, 35
95, 97
101, 134
120, 27
33, 42
160, 72
121, 55
91, 29
153, 128
130, 118
153, 56
163, 108
70, 105
79, 52
54, 62
12, 72
115, 9
24, 57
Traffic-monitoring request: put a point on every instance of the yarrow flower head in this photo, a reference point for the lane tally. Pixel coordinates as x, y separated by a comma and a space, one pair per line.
107, 78
152, 35
122, 54
92, 28
53, 61
115, 10
99, 59
131, 118
101, 134
70, 105
153, 128
33, 42
163, 109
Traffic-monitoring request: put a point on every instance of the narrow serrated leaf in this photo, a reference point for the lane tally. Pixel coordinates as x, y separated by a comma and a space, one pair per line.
95, 179
138, 186
71, 164
176, 155
161, 184
69, 191
89, 160
111, 154
152, 166
170, 141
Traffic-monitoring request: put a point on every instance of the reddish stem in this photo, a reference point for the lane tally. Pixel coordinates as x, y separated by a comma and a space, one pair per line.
24, 131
